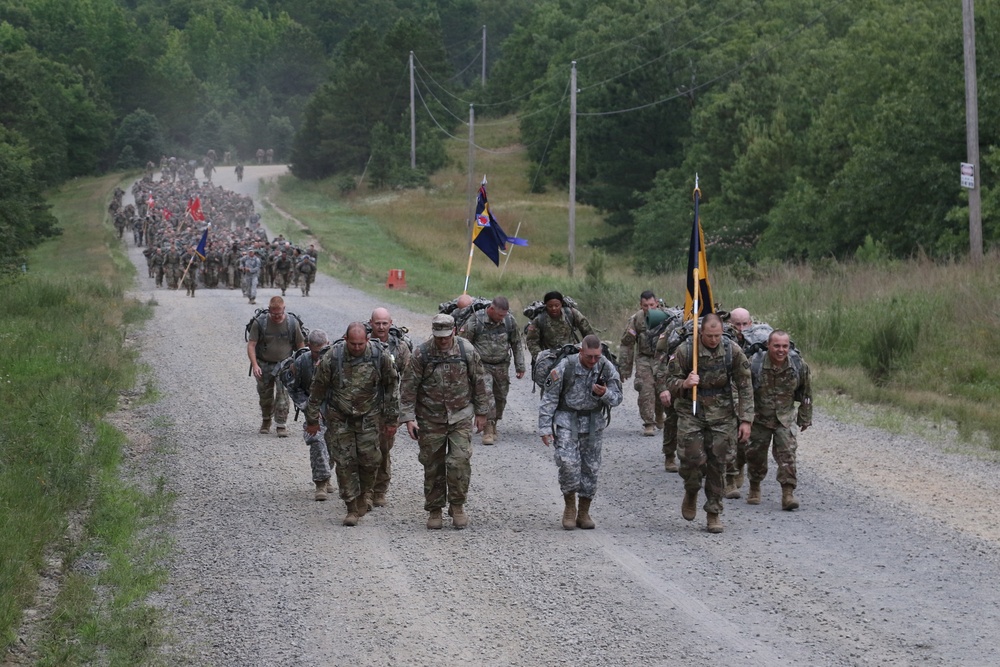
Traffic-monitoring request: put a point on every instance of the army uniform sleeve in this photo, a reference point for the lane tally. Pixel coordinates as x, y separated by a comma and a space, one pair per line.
403, 355
804, 394
660, 359
390, 390
613, 396
744, 385
582, 323
469, 329
678, 368
322, 380
482, 400
627, 349
551, 391
298, 392
532, 338
408, 387
299, 341
516, 347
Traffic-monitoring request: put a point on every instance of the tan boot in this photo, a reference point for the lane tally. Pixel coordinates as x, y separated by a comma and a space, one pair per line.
689, 508
352, 513
714, 523
364, 504
329, 486
434, 521
320, 491
569, 514
583, 519
788, 501
740, 479
732, 491
489, 433
670, 464
282, 431
648, 430
753, 498
265, 426
378, 500
459, 519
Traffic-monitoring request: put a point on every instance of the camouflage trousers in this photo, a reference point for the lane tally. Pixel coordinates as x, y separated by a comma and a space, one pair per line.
703, 446
384, 474
282, 280
319, 454
159, 275
669, 432
172, 274
738, 458
578, 459
306, 282
273, 395
785, 446
446, 454
650, 408
354, 449
500, 376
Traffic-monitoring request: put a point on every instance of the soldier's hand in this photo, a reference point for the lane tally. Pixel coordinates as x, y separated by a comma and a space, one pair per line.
520, 374
546, 440
257, 372
480, 423
744, 431
411, 428
692, 380
803, 427
312, 429
665, 398
598, 390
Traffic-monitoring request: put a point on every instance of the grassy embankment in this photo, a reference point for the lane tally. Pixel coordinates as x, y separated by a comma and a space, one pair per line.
915, 336
64, 364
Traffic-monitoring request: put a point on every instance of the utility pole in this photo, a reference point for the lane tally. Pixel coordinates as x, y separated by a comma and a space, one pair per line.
572, 170
472, 178
413, 120
484, 57
972, 129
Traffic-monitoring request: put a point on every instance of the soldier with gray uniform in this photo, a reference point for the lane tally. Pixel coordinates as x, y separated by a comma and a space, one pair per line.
398, 347
495, 334
704, 438
443, 394
780, 378
359, 384
250, 267
272, 338
298, 381
556, 327
572, 418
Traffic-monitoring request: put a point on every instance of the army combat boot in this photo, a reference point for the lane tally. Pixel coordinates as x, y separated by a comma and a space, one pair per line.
434, 521
583, 519
732, 491
788, 501
714, 523
648, 430
281, 430
459, 519
320, 490
569, 514
265, 426
352, 513
364, 503
753, 498
490, 432
690, 505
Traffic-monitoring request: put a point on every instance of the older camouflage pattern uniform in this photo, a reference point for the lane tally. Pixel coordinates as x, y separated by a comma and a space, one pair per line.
704, 440
400, 352
635, 345
250, 267
545, 333
570, 409
494, 341
278, 341
304, 369
443, 393
359, 393
774, 415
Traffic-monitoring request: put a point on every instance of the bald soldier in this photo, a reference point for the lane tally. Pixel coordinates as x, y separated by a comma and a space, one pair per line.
704, 438
740, 320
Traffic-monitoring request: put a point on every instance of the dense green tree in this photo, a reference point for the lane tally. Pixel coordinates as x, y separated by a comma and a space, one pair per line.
25, 219
141, 132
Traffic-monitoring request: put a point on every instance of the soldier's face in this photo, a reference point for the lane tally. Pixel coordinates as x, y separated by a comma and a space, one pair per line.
740, 319
646, 304
495, 314
314, 350
589, 357
380, 326
356, 343
277, 314
777, 349
554, 308
711, 335
443, 342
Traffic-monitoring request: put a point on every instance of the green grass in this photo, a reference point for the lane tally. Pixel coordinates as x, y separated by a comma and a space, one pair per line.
64, 365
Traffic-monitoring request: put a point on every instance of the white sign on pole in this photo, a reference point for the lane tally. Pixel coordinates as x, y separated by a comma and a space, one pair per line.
968, 176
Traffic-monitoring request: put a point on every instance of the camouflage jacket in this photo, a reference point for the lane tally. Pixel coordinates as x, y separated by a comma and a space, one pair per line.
400, 352
545, 333
444, 387
567, 393
775, 391
494, 340
635, 338
716, 397
354, 387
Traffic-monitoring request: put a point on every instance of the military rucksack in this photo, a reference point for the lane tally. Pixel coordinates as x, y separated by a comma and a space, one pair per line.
755, 338
399, 333
674, 317
461, 315
549, 359
683, 333
757, 365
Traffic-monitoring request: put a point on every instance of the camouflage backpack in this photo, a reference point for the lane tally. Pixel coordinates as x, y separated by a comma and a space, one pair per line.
461, 315
549, 359
756, 336
674, 317
399, 333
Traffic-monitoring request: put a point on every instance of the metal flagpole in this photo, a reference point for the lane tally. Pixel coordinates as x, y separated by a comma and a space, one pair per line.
510, 251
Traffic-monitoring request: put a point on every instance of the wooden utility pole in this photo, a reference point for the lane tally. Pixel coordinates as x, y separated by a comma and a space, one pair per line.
972, 129
572, 170
413, 120
484, 56
472, 179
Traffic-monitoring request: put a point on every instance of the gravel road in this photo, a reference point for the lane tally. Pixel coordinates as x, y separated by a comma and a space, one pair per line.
892, 559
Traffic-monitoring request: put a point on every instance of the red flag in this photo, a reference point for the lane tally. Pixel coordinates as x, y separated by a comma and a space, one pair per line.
194, 210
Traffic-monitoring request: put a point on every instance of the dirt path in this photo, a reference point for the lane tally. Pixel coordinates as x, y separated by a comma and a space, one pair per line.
893, 558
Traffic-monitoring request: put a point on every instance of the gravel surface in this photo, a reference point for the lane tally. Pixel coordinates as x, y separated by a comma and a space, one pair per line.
892, 559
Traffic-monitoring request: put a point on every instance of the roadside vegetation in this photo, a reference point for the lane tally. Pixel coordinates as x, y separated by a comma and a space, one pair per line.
65, 512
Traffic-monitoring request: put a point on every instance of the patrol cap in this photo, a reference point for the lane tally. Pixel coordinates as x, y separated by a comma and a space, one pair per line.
443, 325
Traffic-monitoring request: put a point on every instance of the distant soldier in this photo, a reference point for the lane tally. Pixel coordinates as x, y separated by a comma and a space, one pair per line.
571, 418
251, 272
496, 336
208, 169
270, 155
239, 173
156, 263
443, 395
780, 378
189, 264
172, 266
260, 156
283, 271
557, 326
306, 270
227, 157
636, 345
361, 387
398, 346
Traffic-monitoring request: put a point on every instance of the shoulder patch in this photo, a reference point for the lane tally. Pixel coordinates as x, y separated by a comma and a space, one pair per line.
746, 364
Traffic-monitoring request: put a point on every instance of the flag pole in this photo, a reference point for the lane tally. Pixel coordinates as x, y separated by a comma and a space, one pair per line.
184, 275
510, 251
696, 297
468, 269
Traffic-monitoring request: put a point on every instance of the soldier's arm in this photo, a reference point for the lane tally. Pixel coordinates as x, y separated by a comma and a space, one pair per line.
390, 388
408, 388
627, 350
317, 391
517, 349
482, 400
678, 369
613, 394
551, 391
582, 323
532, 338
744, 385
805, 416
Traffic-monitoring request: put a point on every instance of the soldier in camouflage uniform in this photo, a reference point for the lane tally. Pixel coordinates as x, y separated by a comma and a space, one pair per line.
635, 345
283, 271
444, 392
303, 369
779, 380
666, 401
704, 438
306, 270
171, 266
190, 263
555, 327
571, 418
156, 265
739, 319
383, 331
279, 335
495, 334
358, 380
